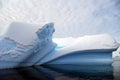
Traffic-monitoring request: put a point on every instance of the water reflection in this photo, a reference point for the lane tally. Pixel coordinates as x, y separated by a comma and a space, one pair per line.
59, 72
85, 71
28, 73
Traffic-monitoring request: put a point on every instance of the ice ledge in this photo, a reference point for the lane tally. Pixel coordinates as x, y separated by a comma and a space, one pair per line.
103, 43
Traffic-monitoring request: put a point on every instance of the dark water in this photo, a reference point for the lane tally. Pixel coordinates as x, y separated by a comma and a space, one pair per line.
59, 72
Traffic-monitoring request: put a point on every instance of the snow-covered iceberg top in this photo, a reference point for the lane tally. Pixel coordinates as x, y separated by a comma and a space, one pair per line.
22, 33
101, 41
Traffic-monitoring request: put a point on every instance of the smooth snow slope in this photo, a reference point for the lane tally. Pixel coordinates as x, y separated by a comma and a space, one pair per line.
22, 33
71, 17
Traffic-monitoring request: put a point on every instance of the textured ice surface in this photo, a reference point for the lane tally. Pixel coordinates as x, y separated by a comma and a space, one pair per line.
14, 51
71, 17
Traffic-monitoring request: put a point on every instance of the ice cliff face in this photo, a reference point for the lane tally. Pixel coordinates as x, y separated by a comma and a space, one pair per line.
46, 32
71, 17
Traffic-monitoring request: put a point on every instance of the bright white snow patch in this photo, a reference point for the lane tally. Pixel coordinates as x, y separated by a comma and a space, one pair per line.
63, 42
22, 33
103, 41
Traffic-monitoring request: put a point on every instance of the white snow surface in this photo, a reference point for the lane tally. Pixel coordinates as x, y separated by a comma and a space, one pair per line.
101, 41
63, 42
22, 33
72, 18
94, 42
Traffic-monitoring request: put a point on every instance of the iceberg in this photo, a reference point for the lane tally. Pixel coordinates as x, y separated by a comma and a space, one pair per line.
28, 45
24, 45
95, 49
